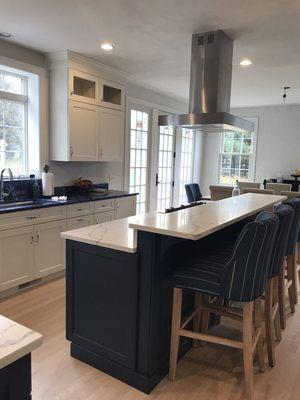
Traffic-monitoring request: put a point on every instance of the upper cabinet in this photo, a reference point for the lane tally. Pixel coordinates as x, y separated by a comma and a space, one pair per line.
86, 117
111, 95
84, 87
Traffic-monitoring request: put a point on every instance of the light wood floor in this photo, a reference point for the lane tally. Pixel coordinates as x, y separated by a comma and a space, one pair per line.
210, 372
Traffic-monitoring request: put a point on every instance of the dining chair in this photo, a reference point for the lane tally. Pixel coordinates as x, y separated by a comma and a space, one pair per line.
278, 187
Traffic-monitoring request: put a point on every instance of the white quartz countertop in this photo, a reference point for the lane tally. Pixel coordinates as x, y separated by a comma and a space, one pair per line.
16, 341
113, 235
196, 222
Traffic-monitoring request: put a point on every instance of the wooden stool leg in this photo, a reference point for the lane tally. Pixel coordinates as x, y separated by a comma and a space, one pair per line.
276, 304
176, 319
291, 274
281, 298
298, 255
205, 317
247, 348
197, 318
269, 322
257, 325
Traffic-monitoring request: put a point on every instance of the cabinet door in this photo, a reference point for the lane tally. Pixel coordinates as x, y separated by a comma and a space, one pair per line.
49, 248
112, 95
80, 222
83, 131
125, 207
103, 217
16, 257
84, 87
111, 135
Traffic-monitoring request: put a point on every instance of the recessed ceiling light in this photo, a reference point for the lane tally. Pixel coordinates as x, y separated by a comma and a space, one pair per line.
245, 63
107, 46
5, 35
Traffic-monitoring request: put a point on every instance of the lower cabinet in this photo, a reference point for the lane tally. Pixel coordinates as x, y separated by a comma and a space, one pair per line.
31, 252
49, 248
125, 207
104, 217
16, 257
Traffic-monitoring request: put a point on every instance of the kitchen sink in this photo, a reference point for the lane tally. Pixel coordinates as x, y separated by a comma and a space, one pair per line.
16, 204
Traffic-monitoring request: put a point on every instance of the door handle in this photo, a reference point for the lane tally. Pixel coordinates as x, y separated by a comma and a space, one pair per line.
156, 179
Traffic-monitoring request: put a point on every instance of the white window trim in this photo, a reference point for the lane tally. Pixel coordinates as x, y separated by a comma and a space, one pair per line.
41, 138
252, 169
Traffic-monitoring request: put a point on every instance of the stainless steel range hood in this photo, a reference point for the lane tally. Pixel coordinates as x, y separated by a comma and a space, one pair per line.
210, 87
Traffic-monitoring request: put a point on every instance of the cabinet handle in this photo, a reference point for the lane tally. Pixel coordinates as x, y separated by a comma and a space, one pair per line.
31, 238
101, 152
31, 217
79, 209
37, 237
79, 220
71, 150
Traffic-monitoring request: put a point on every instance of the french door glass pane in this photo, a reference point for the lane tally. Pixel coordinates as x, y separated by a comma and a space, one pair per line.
139, 139
186, 164
165, 167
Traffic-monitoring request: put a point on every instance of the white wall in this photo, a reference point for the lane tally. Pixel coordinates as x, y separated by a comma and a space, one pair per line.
278, 144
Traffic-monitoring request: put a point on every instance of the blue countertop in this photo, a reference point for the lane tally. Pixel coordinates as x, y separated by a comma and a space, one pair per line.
6, 207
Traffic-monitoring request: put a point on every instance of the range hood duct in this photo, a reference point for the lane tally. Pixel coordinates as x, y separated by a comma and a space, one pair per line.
210, 87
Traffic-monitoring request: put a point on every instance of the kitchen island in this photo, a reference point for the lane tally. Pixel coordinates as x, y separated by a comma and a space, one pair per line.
119, 288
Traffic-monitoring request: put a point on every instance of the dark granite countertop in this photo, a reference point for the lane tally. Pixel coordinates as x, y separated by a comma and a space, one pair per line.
32, 204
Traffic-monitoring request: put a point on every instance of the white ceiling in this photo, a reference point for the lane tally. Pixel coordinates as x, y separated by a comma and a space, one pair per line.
152, 39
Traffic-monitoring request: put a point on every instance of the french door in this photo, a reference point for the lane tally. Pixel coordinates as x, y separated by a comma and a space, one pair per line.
175, 166
139, 155
165, 175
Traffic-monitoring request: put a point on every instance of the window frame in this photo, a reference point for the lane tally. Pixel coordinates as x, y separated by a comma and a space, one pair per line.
23, 99
252, 158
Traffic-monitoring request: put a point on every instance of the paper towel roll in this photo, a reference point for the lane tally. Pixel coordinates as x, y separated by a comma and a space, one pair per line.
47, 183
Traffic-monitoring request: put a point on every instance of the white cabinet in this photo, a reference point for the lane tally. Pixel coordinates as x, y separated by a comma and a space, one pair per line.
16, 257
111, 140
86, 116
111, 95
49, 248
104, 205
83, 131
125, 207
77, 210
84, 87
104, 217
80, 222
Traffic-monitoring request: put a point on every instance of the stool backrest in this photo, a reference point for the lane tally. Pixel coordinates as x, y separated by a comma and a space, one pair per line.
278, 187
294, 233
193, 192
285, 214
253, 190
245, 275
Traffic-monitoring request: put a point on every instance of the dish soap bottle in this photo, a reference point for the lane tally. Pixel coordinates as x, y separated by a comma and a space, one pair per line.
236, 189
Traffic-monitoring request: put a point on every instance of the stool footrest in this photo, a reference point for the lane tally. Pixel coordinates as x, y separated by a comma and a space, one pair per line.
211, 338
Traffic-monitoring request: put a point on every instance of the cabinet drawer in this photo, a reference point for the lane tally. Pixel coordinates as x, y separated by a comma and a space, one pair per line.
76, 210
80, 222
50, 214
104, 205
104, 217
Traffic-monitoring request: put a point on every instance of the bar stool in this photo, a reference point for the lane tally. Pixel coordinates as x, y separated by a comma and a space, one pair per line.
291, 269
285, 216
237, 275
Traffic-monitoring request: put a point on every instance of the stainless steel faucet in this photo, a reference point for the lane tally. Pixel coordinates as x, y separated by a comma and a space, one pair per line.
11, 177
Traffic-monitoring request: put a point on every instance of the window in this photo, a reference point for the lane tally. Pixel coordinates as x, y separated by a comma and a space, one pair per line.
13, 122
186, 162
165, 178
139, 143
237, 157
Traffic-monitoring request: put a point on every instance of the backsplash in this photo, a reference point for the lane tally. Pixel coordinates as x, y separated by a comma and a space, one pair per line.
66, 172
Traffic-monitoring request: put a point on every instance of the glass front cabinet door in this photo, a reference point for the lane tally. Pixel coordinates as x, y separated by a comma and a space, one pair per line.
84, 87
112, 95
